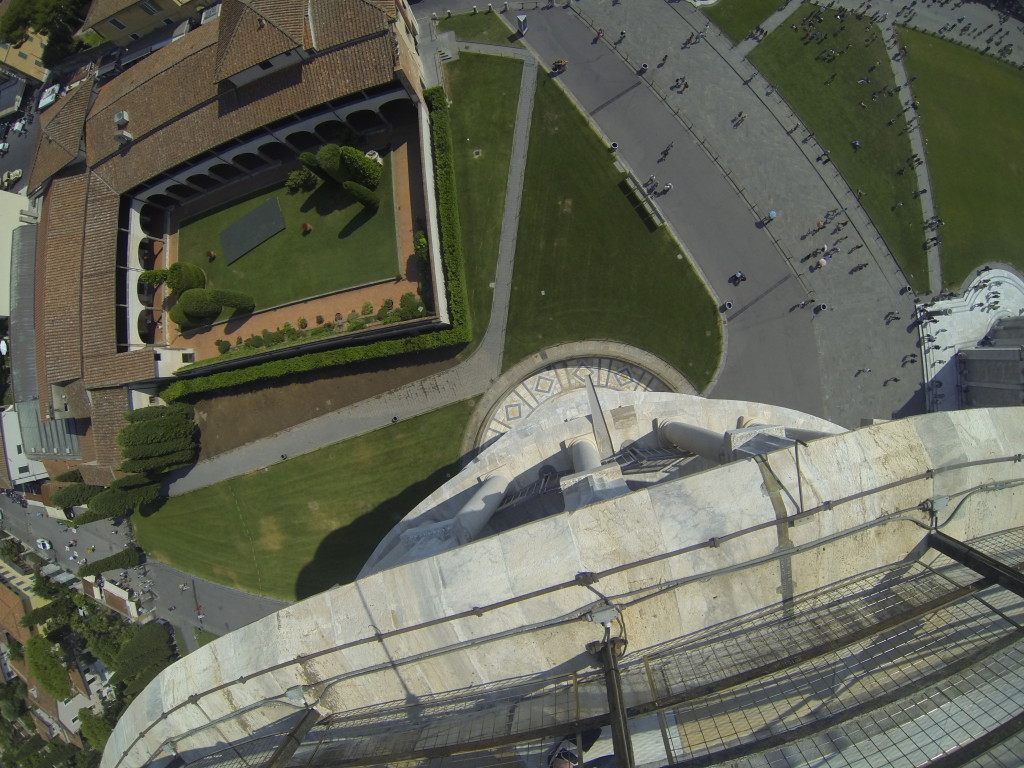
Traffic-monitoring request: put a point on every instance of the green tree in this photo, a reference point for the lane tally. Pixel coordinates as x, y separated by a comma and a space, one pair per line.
115, 501
47, 666
126, 558
95, 729
9, 550
71, 476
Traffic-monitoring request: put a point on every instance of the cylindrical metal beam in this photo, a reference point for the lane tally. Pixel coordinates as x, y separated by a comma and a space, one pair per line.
703, 442
476, 513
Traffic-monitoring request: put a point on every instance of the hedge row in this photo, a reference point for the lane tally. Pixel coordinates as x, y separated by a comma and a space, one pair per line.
164, 463
74, 495
451, 252
158, 412
365, 197
172, 426
126, 558
119, 501
151, 450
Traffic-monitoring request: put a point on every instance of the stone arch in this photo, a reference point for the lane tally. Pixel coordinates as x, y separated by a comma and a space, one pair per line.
147, 254
182, 191
203, 181
145, 292
250, 161
224, 171
304, 141
366, 121
146, 326
276, 151
398, 111
334, 132
152, 220
163, 200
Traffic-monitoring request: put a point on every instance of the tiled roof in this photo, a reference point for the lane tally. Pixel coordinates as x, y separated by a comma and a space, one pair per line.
99, 275
233, 112
336, 24
252, 31
12, 609
5, 477
108, 409
60, 135
62, 241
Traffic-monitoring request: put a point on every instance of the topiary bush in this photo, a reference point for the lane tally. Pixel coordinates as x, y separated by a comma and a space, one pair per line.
359, 168
241, 302
171, 427
74, 495
356, 325
385, 308
199, 304
328, 158
154, 277
183, 410
308, 159
369, 200
223, 346
179, 318
254, 342
410, 306
182, 276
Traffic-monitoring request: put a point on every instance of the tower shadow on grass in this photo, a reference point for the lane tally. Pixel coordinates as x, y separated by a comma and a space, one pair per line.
343, 552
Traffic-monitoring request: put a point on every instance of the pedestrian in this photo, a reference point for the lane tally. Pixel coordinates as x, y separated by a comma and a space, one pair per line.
667, 189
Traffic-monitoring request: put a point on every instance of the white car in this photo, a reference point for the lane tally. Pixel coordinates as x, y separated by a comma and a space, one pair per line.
43, 544
4, 148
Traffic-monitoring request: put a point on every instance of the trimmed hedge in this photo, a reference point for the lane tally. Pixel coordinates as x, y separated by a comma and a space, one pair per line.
182, 276
115, 501
164, 463
364, 196
129, 482
172, 427
234, 299
179, 318
159, 411
74, 495
126, 558
359, 168
328, 157
71, 476
451, 252
152, 450
199, 304
309, 160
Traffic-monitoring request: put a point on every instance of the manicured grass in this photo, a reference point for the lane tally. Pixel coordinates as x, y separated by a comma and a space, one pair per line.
834, 113
737, 18
484, 92
479, 27
310, 522
347, 247
588, 266
972, 112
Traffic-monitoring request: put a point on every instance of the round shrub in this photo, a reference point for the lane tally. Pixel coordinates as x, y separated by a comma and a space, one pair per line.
182, 276
255, 341
359, 168
199, 304
370, 200
223, 346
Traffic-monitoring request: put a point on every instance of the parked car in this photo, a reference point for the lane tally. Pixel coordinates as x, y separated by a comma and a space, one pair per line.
44, 544
4, 148
9, 177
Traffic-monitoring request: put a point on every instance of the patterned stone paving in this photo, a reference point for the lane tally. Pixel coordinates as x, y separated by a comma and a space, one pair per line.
548, 383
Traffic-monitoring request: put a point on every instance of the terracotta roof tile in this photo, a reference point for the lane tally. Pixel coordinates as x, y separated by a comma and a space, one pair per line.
237, 111
99, 275
335, 24
63, 277
252, 31
108, 409
60, 135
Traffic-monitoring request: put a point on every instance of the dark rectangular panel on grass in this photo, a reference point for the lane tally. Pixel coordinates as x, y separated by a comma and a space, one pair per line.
256, 227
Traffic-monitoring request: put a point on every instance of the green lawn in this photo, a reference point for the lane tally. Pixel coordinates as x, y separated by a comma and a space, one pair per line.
835, 114
972, 112
587, 265
484, 92
479, 28
310, 522
737, 18
346, 247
